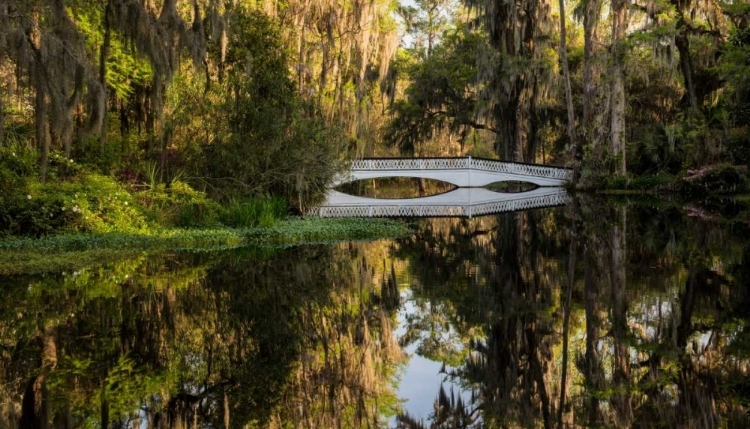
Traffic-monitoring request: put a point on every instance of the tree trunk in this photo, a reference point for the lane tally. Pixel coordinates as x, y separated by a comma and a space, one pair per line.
103, 55
621, 372
225, 409
41, 124
593, 372
531, 131
686, 67
590, 22
566, 79
566, 306
2, 120
617, 85
35, 408
104, 409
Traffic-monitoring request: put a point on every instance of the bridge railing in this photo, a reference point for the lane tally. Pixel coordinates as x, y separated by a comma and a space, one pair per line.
461, 163
441, 211
410, 164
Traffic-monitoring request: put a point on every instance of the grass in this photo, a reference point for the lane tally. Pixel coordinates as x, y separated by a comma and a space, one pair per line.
56, 252
639, 185
262, 211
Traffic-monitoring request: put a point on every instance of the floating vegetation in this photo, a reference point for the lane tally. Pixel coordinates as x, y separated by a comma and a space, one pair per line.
51, 253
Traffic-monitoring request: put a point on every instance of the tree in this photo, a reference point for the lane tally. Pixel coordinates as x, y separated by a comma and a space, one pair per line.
441, 96
426, 22
516, 72
253, 134
572, 137
619, 18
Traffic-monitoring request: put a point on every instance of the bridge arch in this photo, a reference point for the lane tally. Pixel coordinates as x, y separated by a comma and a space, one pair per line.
466, 202
462, 172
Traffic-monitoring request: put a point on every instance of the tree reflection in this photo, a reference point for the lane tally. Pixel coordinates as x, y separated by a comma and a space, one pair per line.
507, 367
178, 341
592, 315
648, 304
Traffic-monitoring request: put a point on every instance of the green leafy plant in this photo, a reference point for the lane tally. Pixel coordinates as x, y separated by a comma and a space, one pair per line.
249, 212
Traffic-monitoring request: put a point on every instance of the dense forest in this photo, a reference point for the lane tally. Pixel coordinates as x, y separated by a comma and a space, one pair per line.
206, 101
610, 87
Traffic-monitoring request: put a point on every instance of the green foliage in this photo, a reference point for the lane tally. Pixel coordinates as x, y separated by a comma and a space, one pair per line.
253, 134
738, 145
105, 159
72, 200
178, 205
17, 161
98, 204
640, 183
316, 230
74, 250
125, 68
24, 210
249, 212
716, 179
32, 216
734, 67
441, 94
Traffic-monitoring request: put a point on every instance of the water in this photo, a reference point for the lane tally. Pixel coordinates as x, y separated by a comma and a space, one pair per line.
597, 314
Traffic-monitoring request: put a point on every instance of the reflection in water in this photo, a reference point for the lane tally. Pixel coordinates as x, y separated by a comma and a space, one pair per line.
502, 310
300, 337
395, 187
581, 316
591, 318
511, 186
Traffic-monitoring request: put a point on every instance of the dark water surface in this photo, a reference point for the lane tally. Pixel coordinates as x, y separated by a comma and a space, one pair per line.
591, 315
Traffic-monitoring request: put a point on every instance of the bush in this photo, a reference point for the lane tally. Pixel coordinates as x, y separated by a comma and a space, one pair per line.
178, 205
104, 159
23, 211
17, 161
99, 203
21, 215
716, 179
617, 181
738, 145
250, 212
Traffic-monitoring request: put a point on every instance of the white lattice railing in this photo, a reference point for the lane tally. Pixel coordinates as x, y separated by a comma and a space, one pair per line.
437, 211
525, 204
411, 164
461, 163
522, 169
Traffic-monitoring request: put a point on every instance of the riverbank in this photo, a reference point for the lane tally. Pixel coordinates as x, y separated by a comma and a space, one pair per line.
81, 216
711, 180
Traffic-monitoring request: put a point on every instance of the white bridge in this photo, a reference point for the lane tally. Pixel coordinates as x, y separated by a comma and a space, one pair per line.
469, 199
461, 202
462, 172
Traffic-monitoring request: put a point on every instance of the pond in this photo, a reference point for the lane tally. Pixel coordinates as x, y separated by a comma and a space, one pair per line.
594, 314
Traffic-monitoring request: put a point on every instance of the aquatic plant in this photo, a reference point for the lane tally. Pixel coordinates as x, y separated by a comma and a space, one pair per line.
52, 252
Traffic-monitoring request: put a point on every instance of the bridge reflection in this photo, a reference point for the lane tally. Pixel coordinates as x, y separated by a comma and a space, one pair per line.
461, 202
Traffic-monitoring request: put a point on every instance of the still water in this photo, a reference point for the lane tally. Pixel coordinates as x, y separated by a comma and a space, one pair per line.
597, 314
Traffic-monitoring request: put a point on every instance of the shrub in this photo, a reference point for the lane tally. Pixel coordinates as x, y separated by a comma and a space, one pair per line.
716, 179
249, 212
617, 181
179, 205
99, 202
26, 215
105, 159
738, 145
